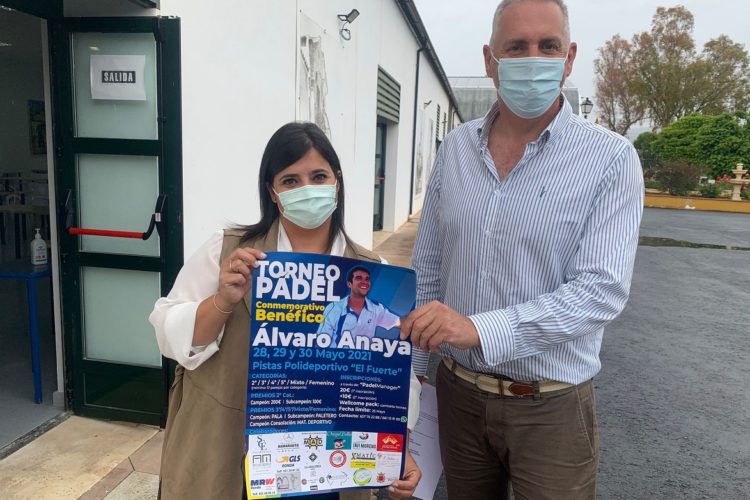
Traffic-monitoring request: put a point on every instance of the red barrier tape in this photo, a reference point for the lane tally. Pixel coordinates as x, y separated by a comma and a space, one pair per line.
106, 232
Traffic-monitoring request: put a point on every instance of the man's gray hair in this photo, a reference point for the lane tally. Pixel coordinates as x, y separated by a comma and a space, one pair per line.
507, 3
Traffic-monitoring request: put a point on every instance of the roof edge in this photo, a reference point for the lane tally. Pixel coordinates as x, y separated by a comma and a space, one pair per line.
410, 13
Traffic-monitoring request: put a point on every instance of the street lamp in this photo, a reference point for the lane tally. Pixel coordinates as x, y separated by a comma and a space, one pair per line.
586, 107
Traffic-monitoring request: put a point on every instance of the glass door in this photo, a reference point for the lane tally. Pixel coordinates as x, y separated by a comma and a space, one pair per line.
118, 158
377, 211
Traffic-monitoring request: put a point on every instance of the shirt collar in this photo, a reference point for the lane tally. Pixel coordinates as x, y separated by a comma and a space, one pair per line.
551, 132
368, 304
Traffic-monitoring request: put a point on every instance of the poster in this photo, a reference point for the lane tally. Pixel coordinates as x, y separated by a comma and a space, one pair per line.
328, 378
118, 77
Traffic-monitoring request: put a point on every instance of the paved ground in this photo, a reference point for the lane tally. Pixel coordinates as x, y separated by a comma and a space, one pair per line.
674, 404
674, 407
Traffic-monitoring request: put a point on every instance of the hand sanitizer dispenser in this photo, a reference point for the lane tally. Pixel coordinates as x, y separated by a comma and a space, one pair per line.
38, 250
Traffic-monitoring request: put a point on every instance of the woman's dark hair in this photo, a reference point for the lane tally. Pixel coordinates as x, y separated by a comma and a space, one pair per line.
287, 145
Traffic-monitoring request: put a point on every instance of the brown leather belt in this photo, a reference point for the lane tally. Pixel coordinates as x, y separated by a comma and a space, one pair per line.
497, 384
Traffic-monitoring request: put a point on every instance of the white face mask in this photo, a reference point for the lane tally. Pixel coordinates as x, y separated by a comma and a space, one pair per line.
529, 85
308, 206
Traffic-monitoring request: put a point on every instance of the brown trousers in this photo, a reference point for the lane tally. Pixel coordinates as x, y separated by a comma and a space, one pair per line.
547, 449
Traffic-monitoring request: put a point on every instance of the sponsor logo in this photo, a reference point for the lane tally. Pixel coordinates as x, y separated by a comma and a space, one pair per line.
288, 481
261, 444
314, 487
261, 482
304, 481
380, 477
390, 442
364, 436
337, 458
312, 457
339, 441
288, 459
363, 456
313, 441
362, 476
338, 478
261, 459
363, 446
287, 446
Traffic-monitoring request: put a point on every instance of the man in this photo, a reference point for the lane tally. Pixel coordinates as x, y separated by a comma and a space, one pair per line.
525, 252
356, 313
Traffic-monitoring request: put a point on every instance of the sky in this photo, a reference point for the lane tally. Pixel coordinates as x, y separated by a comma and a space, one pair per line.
459, 28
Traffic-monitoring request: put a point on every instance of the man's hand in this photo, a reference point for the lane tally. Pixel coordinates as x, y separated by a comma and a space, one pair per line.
404, 488
435, 323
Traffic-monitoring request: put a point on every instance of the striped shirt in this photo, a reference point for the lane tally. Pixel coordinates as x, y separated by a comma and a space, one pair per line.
541, 261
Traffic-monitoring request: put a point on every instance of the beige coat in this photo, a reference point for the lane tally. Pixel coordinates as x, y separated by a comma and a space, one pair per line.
204, 437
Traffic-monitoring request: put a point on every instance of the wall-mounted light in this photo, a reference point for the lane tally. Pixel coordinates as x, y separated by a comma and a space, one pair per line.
347, 19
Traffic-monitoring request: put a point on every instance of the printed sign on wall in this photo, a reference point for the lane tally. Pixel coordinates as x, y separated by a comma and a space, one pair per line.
118, 77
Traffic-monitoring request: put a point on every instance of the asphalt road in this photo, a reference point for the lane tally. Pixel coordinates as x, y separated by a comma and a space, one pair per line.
673, 397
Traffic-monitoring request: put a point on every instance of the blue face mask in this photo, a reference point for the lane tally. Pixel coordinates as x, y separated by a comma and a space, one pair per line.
529, 85
308, 206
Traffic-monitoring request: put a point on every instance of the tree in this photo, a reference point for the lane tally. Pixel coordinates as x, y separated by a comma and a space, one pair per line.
678, 177
650, 161
727, 87
714, 144
619, 107
661, 75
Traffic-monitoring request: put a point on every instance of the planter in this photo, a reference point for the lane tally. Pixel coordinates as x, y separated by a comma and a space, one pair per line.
696, 203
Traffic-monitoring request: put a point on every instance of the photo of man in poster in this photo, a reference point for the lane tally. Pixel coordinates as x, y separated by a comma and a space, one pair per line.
356, 313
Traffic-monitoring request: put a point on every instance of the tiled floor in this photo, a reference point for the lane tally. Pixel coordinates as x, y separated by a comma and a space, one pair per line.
68, 460
136, 477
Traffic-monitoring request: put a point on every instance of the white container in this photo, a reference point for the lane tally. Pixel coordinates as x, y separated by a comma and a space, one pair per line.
38, 250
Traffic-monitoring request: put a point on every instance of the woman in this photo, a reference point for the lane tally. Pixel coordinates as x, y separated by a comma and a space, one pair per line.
204, 324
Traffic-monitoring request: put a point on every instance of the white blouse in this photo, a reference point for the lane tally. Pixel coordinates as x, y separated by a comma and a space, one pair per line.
173, 316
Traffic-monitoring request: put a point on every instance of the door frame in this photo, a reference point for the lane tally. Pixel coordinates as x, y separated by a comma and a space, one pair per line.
168, 148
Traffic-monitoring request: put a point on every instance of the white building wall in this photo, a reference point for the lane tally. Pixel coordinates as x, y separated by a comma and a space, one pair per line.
398, 56
430, 91
241, 80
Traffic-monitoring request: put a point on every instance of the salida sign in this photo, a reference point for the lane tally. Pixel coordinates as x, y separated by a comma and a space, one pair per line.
119, 78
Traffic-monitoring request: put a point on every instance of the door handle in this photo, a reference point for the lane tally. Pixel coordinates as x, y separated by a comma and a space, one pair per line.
68, 211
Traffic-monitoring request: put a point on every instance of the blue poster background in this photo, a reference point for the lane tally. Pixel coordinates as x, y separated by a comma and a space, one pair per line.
324, 414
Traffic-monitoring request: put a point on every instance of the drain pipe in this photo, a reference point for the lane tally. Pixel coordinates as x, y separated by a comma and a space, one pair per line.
414, 133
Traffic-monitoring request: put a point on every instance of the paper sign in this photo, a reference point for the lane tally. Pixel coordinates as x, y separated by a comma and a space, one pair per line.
118, 78
424, 444
328, 378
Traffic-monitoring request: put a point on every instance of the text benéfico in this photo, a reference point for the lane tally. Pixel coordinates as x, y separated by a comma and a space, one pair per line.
296, 281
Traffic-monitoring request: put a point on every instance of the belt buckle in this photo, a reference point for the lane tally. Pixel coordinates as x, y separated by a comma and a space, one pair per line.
522, 389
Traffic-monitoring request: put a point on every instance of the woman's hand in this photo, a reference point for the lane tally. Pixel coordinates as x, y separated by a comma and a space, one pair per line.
234, 276
405, 487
